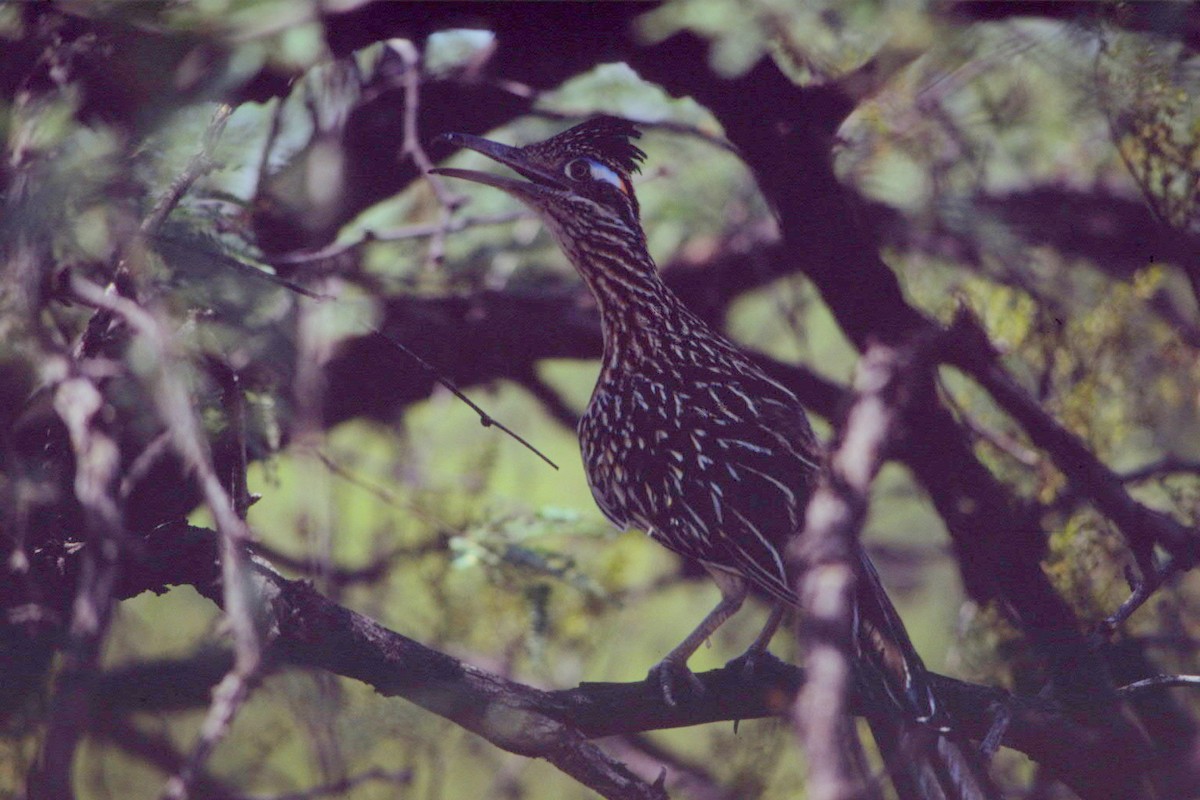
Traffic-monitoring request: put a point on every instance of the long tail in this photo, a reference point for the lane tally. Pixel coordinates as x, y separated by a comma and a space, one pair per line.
925, 760
886, 656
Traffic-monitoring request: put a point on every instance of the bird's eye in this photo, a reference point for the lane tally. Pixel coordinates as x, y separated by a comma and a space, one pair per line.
579, 169
589, 169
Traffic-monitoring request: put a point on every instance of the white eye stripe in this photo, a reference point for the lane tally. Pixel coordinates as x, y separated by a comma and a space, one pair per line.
602, 173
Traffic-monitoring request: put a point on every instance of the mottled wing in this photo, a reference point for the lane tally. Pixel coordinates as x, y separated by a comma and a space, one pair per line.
723, 473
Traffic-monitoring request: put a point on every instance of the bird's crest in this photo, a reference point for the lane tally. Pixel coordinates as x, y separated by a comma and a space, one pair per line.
606, 139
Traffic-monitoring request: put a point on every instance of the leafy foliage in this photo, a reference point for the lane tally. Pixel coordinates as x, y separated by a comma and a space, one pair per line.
247, 176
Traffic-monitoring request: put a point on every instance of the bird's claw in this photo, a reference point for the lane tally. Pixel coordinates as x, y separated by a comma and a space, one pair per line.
676, 681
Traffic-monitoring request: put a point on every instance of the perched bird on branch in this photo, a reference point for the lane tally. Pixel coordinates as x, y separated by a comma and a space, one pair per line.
684, 436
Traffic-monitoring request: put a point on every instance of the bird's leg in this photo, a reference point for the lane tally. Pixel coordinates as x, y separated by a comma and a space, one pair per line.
748, 661
672, 673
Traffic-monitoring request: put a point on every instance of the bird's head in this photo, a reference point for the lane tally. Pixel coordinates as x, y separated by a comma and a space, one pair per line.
580, 176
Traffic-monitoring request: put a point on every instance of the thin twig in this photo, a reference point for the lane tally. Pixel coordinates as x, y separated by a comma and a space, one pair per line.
969, 349
340, 788
552, 402
1144, 587
692, 779
249, 269
172, 397
485, 419
315, 633
383, 494
1158, 681
264, 161
1002, 441
228, 698
144, 463
79, 404
200, 164
1170, 464
399, 234
345, 576
447, 200
156, 749
235, 410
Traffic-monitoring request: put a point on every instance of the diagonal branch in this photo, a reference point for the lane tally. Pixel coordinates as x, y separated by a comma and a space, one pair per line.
823, 557
312, 632
172, 400
1143, 527
79, 404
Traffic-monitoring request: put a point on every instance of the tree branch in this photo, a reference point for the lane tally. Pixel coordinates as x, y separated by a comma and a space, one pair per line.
311, 631
315, 633
999, 546
823, 558
1143, 527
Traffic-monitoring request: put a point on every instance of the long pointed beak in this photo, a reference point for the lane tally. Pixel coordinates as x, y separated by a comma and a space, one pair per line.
539, 184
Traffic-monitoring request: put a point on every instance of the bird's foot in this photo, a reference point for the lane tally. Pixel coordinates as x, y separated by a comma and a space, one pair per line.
753, 661
676, 681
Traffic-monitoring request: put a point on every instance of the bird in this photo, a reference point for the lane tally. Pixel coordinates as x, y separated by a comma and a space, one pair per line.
685, 436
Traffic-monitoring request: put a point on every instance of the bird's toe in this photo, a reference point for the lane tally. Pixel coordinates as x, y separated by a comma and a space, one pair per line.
676, 681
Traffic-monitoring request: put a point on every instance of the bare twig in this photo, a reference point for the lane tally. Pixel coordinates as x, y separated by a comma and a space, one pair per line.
990, 744
485, 419
548, 396
237, 264
340, 788
78, 402
235, 410
200, 164
412, 148
399, 234
315, 633
1158, 682
172, 398
264, 161
1143, 588
337, 576
174, 406
1001, 440
144, 463
381, 493
1170, 464
158, 750
228, 698
692, 779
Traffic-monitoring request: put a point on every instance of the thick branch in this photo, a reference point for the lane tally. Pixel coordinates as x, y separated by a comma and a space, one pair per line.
823, 556
315, 633
311, 631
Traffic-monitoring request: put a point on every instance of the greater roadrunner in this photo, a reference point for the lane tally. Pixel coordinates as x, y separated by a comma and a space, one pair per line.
684, 436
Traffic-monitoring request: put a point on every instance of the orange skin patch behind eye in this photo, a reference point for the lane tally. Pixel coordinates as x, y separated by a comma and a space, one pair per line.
603, 172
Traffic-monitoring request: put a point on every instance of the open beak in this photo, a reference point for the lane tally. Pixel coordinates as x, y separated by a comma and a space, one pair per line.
539, 185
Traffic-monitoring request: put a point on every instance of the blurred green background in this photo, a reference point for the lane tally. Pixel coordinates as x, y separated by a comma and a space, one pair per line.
492, 555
